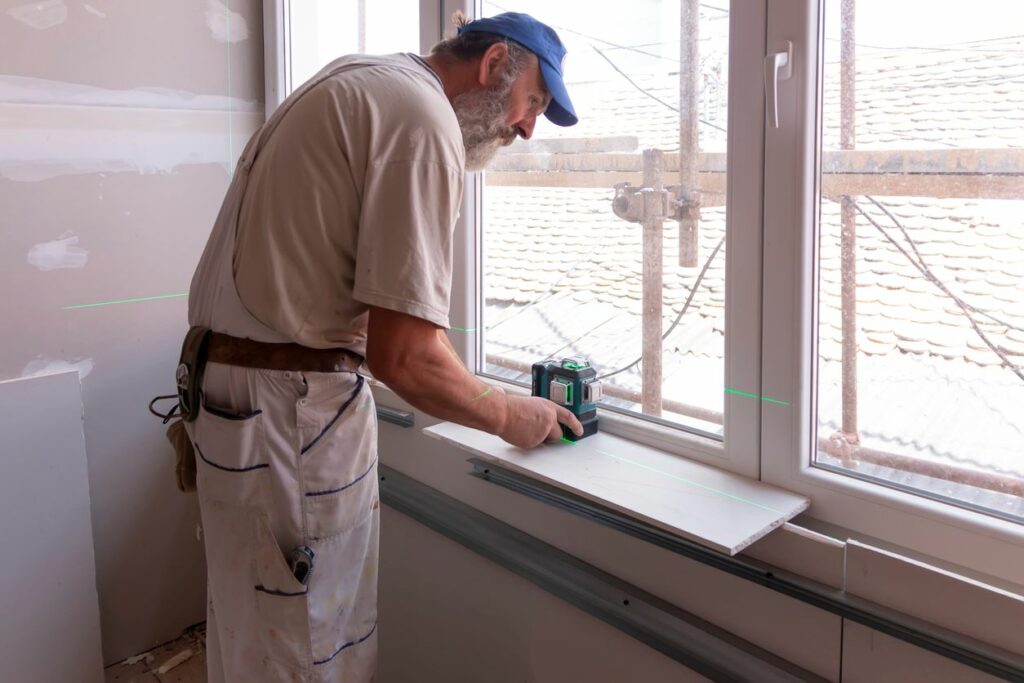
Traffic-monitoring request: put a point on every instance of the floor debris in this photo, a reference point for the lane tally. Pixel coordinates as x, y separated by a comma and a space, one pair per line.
174, 661
178, 661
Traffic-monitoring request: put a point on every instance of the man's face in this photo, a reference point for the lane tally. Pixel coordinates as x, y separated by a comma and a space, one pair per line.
492, 116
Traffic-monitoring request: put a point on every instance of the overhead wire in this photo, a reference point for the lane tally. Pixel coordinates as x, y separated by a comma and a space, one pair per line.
682, 311
966, 308
925, 271
649, 93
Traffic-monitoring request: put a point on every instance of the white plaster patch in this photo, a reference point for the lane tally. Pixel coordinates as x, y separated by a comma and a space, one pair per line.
41, 15
143, 130
59, 253
28, 90
225, 25
92, 10
41, 366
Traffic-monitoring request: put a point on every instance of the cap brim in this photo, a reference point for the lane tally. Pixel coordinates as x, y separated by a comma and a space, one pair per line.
560, 111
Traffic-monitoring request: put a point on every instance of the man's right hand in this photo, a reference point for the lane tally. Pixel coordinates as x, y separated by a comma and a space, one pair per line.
414, 358
531, 420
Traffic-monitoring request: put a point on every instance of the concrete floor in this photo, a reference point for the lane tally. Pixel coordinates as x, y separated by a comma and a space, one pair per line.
143, 668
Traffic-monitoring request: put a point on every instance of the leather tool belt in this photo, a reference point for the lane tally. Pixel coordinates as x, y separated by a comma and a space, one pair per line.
223, 348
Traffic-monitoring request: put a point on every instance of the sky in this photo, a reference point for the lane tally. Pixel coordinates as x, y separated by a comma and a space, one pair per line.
646, 30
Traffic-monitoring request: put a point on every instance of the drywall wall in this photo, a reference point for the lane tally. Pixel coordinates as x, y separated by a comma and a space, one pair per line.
447, 614
797, 632
119, 126
47, 565
802, 634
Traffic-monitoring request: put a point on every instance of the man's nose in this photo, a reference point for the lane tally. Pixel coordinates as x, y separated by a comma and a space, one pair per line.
525, 126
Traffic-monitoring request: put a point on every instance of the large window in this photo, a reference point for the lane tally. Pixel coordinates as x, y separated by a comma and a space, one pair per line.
893, 261
316, 32
607, 239
920, 357
857, 333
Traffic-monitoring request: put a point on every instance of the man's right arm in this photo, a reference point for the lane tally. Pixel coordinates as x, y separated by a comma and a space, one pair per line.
415, 360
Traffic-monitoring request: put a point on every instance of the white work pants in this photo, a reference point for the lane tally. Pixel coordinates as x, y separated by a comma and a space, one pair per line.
288, 459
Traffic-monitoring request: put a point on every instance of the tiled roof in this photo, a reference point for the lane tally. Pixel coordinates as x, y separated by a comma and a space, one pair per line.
567, 242
969, 98
563, 273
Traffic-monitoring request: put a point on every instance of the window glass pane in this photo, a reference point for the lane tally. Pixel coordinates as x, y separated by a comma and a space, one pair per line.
921, 248
323, 30
566, 271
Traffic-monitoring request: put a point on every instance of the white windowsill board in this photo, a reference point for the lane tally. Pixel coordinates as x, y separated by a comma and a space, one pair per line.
718, 509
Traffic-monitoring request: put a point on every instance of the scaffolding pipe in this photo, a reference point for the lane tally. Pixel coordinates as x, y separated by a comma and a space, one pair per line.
688, 192
653, 263
848, 229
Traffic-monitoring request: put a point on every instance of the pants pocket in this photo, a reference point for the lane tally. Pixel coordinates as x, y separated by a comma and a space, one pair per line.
230, 457
343, 603
339, 465
282, 603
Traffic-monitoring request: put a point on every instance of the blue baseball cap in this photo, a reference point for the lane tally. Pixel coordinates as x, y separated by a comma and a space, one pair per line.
542, 41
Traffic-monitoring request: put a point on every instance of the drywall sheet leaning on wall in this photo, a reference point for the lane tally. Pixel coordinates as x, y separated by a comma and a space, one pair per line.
120, 126
49, 611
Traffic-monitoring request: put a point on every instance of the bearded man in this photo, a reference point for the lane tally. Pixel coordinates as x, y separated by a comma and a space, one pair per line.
334, 244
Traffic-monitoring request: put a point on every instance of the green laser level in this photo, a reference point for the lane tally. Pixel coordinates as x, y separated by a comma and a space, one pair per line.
570, 382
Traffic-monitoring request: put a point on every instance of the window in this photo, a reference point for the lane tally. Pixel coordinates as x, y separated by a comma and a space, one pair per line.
892, 279
574, 261
920, 334
857, 334
312, 33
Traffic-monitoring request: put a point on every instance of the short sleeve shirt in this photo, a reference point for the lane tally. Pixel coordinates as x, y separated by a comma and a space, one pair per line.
352, 203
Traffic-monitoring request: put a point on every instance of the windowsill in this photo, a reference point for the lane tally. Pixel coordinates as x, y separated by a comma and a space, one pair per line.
718, 509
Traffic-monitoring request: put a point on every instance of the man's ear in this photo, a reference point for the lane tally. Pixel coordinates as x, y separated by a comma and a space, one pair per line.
492, 63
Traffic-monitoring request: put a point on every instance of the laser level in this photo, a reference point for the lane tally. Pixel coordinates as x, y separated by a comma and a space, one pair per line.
570, 382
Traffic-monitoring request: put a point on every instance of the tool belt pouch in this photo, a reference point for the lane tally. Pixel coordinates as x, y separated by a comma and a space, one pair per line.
189, 379
184, 456
189, 375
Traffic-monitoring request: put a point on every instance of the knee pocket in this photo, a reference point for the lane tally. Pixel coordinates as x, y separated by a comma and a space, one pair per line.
343, 597
282, 603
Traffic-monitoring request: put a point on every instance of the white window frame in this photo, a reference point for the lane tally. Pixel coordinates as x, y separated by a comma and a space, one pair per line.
962, 537
739, 450
277, 53
772, 195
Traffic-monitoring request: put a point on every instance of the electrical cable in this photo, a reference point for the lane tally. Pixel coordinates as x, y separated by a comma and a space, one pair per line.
926, 272
920, 258
647, 92
689, 300
948, 47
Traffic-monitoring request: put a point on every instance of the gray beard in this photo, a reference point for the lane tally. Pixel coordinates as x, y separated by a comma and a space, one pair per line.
481, 116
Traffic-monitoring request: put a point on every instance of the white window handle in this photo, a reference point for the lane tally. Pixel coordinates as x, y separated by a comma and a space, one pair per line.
778, 66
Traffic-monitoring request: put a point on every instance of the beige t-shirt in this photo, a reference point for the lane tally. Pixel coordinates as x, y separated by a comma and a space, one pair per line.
352, 202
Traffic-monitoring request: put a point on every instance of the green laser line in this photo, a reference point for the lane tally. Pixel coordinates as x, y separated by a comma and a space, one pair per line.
689, 482
766, 399
568, 441
489, 390
124, 301
463, 329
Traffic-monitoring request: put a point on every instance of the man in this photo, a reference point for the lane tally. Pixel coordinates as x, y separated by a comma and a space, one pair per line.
334, 243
